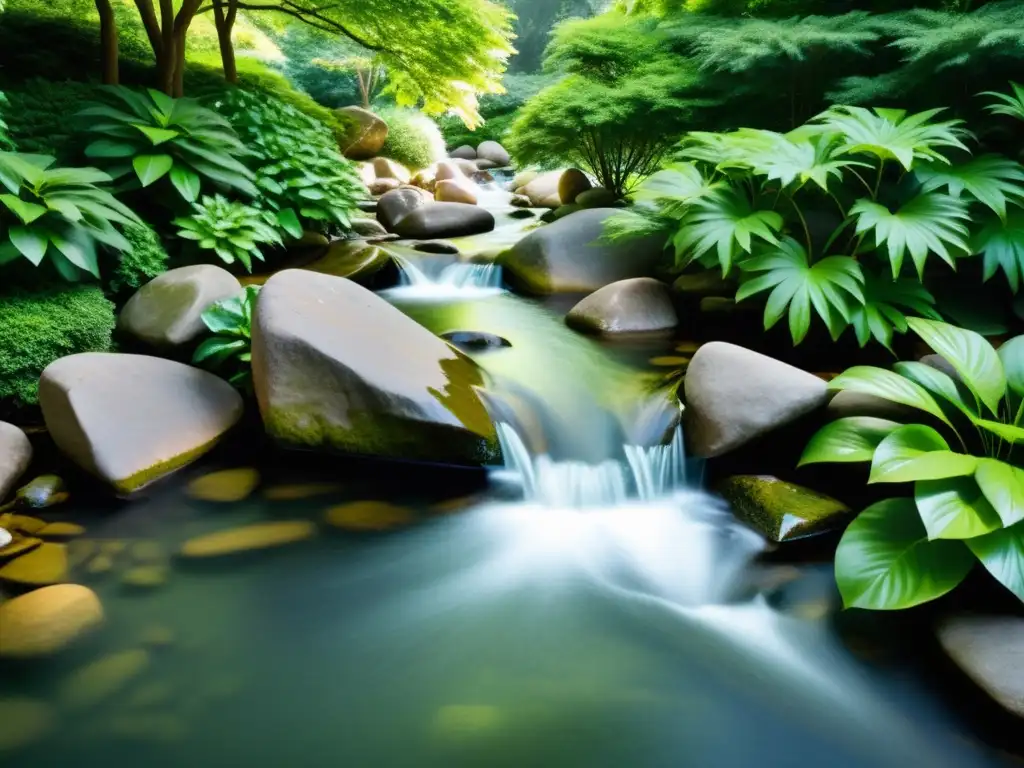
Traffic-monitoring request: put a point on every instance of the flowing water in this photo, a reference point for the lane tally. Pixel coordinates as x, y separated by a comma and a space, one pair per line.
588, 606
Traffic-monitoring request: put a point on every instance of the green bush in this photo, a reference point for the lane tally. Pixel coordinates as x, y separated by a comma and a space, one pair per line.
43, 325
414, 140
38, 115
136, 267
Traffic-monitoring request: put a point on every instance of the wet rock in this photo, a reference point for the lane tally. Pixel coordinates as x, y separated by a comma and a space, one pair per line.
299, 491
467, 167
368, 228
24, 524
543, 190
366, 133
456, 191
17, 545
98, 681
571, 184
520, 201
367, 206
42, 492
440, 220
990, 650
396, 205
336, 366
782, 511
147, 552
248, 538
311, 239
355, 259
522, 213
707, 282
167, 311
426, 179
486, 165
436, 246
23, 723
131, 419
61, 530
523, 178
227, 485
145, 577
383, 186
474, 341
389, 169
450, 170
493, 151
464, 152
598, 197
734, 395
47, 620
641, 304
569, 256
369, 516
15, 456
45, 565
562, 211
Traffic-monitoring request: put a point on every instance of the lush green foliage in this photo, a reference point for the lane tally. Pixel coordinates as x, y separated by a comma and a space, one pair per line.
232, 230
300, 174
616, 112
57, 214
414, 140
157, 137
535, 20
38, 116
768, 203
228, 351
903, 552
497, 110
146, 259
41, 326
6, 143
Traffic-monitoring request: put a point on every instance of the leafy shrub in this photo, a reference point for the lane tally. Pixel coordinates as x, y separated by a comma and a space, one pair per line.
299, 171
158, 136
5, 139
414, 140
229, 350
498, 110
966, 505
38, 116
145, 260
57, 214
233, 230
41, 326
767, 203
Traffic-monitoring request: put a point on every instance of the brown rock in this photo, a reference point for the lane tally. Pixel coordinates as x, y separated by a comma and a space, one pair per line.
455, 191
571, 185
248, 538
641, 304
43, 566
366, 135
47, 620
383, 186
386, 168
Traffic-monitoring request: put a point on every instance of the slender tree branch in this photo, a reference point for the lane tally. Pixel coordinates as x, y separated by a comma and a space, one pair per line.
152, 26
305, 14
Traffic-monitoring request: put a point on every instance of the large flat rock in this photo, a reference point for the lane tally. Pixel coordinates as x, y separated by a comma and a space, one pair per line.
439, 220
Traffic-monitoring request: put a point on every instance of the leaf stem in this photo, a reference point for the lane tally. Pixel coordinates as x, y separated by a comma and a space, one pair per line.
803, 222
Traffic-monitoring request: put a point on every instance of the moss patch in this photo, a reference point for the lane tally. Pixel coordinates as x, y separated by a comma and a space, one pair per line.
153, 473
781, 511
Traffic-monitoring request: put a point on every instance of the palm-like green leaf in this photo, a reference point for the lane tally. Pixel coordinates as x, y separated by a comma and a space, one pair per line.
891, 134
829, 286
932, 222
885, 307
992, 180
1001, 245
879, 382
1007, 104
675, 189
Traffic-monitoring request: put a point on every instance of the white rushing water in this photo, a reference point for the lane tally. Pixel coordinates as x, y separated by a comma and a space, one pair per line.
431, 278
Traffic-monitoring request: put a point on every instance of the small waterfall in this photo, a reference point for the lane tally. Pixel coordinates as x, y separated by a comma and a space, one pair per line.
426, 279
660, 469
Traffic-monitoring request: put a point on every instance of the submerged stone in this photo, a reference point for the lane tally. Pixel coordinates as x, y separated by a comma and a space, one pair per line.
91, 685
18, 545
475, 341
23, 722
45, 565
145, 576
47, 620
61, 530
990, 650
248, 538
779, 510
227, 485
15, 456
369, 516
299, 491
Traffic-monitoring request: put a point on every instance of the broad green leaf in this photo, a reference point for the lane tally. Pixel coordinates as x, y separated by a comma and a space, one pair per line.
150, 168
1011, 355
886, 562
80, 251
105, 148
885, 307
27, 212
675, 189
937, 382
289, 222
932, 222
156, 135
1007, 104
848, 440
890, 386
990, 179
186, 182
1002, 554
1009, 432
1001, 246
1003, 486
970, 355
917, 452
226, 316
31, 243
954, 508
217, 350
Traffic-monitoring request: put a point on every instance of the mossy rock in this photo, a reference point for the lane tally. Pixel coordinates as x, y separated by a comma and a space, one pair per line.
782, 511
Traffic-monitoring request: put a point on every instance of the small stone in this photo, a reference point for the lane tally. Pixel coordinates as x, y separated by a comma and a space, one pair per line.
465, 152
145, 576
18, 545
389, 169
598, 197
24, 524
475, 341
637, 305
15, 456
369, 516
228, 485
61, 530
43, 566
113, 547
782, 511
565, 210
520, 201
990, 650
456, 191
98, 681
299, 491
44, 491
47, 620
249, 538
436, 246
368, 228
23, 722
522, 213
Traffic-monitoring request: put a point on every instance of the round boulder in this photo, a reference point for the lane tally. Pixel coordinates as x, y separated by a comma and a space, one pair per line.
366, 133
439, 220
131, 419
486, 165
15, 456
385, 168
571, 185
167, 311
597, 197
465, 152
47, 620
638, 305
456, 191
368, 228
382, 186
543, 190
448, 169
493, 151
396, 205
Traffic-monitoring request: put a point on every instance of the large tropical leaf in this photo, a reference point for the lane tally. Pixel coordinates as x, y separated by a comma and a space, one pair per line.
992, 180
1003, 486
886, 562
726, 223
852, 439
916, 452
885, 307
970, 355
890, 386
954, 508
1001, 246
932, 222
1007, 104
1011, 355
675, 189
1002, 554
938, 383
830, 286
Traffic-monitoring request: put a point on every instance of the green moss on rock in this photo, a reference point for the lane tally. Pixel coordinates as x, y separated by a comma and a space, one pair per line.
781, 511
147, 259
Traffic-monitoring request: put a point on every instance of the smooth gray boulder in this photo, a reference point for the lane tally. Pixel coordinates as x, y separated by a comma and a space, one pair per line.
493, 151
435, 221
15, 456
990, 650
637, 305
465, 152
734, 395
131, 419
337, 367
394, 206
568, 255
167, 311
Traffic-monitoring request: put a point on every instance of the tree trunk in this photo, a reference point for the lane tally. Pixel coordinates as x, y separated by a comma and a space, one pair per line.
225, 21
168, 57
108, 42
178, 83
